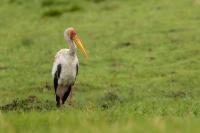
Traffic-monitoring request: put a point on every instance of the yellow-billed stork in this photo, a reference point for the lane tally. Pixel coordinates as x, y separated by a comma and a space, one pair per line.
65, 67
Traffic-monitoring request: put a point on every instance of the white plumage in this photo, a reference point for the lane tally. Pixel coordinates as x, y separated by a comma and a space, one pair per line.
68, 63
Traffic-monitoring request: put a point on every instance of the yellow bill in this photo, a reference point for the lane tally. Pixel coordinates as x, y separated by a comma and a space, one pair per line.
80, 45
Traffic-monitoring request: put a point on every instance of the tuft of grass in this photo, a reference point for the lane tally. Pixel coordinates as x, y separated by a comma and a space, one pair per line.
177, 94
46, 3
19, 2
57, 12
52, 13
124, 45
11, 1
75, 8
97, 1
49, 3
27, 41
31, 103
110, 99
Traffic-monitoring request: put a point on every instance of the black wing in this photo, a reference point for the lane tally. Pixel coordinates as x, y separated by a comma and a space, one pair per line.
77, 69
57, 76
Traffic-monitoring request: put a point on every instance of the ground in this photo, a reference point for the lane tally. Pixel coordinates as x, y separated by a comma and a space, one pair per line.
142, 73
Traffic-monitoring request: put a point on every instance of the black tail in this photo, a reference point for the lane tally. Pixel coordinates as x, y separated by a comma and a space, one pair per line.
66, 94
57, 76
55, 81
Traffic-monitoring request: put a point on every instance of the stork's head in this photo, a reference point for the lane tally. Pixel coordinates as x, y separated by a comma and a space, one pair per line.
70, 34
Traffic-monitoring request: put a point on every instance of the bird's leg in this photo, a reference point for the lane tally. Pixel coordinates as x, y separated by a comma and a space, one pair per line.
59, 95
66, 94
57, 100
71, 101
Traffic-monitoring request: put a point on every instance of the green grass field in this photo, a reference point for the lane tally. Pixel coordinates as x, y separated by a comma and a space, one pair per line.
142, 75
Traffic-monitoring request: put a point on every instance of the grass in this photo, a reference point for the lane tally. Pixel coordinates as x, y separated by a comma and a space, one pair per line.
142, 74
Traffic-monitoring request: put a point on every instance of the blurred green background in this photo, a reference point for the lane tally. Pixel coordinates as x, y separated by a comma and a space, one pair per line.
142, 73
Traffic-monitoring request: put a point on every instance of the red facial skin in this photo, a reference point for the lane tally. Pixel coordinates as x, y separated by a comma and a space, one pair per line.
72, 34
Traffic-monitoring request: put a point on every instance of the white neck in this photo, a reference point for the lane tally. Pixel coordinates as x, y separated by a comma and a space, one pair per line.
72, 46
